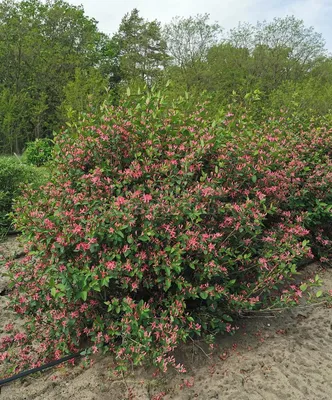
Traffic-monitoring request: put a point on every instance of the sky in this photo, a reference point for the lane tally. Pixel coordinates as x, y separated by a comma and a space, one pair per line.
228, 13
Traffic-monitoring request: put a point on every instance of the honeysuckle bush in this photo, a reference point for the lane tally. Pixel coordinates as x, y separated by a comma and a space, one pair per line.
160, 225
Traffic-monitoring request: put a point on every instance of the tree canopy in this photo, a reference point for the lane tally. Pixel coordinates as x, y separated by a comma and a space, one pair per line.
54, 62
41, 47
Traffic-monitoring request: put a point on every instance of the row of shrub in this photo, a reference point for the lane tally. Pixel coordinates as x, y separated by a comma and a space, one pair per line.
161, 225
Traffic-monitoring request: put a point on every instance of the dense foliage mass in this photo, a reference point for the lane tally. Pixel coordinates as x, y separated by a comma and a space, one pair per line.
161, 225
44, 46
14, 177
39, 152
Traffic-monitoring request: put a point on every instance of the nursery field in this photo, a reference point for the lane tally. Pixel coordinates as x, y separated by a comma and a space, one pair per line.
288, 356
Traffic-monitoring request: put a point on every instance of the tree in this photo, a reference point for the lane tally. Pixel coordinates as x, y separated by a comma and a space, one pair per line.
88, 87
304, 44
141, 50
188, 42
41, 46
189, 39
263, 57
271, 66
228, 70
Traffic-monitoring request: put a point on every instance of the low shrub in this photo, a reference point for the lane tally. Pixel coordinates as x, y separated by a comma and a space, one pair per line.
14, 176
160, 225
39, 152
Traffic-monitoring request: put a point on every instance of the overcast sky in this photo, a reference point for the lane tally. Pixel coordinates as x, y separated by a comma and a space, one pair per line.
316, 13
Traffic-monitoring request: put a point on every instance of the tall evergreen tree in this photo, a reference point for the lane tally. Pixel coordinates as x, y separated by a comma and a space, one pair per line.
141, 49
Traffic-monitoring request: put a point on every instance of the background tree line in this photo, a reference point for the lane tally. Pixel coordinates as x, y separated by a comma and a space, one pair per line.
54, 62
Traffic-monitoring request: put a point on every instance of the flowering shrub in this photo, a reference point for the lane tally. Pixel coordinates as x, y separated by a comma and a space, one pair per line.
159, 225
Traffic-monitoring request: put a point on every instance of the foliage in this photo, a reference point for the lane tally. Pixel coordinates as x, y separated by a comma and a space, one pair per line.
304, 44
38, 152
165, 217
310, 97
42, 44
189, 39
14, 175
141, 49
271, 56
88, 87
188, 43
161, 225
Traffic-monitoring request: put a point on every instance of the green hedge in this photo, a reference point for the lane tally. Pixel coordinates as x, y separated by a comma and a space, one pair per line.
14, 175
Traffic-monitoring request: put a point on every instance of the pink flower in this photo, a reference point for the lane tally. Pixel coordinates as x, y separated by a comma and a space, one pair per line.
111, 265
147, 198
261, 196
120, 200
9, 327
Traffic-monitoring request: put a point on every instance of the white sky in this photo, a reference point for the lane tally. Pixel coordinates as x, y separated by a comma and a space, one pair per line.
228, 13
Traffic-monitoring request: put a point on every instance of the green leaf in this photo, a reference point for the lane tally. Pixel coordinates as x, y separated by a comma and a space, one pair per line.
304, 287
319, 293
105, 281
254, 178
204, 295
144, 238
94, 247
227, 318
53, 291
167, 285
84, 295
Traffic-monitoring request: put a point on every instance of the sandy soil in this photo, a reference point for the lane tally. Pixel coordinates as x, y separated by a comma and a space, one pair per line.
288, 356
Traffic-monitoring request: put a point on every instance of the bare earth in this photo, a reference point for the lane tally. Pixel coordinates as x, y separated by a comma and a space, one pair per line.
286, 357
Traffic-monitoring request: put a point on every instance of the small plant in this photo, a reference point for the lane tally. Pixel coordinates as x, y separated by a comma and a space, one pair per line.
39, 152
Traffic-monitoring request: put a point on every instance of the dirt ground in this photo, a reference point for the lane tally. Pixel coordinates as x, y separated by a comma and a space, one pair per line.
288, 356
